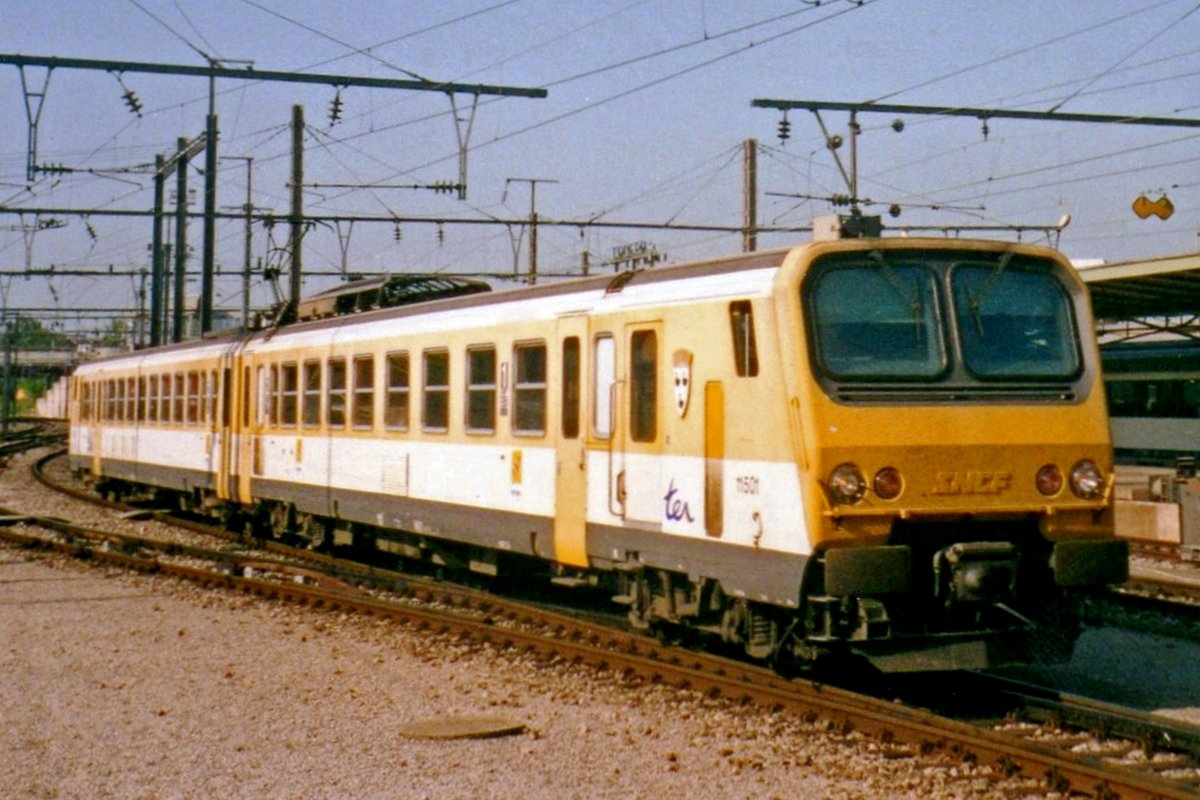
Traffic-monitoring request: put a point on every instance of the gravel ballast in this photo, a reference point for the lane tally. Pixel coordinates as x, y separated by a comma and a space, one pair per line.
126, 686
119, 685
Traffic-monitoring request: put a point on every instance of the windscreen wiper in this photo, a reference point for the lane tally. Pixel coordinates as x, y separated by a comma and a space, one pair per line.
975, 301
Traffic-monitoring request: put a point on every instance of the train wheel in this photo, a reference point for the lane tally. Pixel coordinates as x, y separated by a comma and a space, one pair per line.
316, 531
281, 520
636, 594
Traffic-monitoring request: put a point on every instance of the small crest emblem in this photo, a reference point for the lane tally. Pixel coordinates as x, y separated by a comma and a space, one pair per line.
682, 369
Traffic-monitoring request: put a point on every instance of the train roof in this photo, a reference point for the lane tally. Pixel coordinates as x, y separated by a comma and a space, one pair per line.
364, 310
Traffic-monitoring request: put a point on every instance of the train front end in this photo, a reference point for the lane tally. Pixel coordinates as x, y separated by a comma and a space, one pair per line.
953, 433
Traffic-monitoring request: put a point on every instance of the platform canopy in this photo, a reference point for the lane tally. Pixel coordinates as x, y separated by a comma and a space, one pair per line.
1158, 293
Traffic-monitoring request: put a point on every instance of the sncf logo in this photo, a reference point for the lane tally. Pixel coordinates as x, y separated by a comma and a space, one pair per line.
972, 482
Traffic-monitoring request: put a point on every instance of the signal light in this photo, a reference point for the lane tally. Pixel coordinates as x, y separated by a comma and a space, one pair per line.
1049, 480
888, 484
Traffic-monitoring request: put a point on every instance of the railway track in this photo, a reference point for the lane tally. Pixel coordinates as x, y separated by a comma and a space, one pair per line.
1051, 742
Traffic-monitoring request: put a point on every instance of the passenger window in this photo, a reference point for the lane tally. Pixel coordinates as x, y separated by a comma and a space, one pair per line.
211, 405
177, 414
141, 399
529, 398
289, 395
131, 399
396, 416
481, 390
193, 397
226, 397
246, 397
435, 414
336, 402
643, 386
570, 387
273, 395
604, 376
152, 400
745, 351
364, 392
312, 394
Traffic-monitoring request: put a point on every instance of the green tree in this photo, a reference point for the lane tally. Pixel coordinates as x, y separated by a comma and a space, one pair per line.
26, 333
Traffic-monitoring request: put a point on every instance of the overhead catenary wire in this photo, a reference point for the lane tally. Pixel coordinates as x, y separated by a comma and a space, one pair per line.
1008, 55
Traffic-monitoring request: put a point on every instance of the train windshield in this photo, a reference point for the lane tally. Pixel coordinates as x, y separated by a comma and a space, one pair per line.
941, 317
1014, 323
879, 321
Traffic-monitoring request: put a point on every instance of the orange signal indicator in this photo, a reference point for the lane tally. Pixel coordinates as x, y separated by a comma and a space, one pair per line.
1162, 208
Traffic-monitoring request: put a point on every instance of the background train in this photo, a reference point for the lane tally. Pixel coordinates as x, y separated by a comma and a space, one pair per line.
896, 448
1154, 400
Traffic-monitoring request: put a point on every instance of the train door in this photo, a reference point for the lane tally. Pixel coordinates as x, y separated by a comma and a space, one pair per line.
639, 436
570, 494
251, 388
225, 488
99, 404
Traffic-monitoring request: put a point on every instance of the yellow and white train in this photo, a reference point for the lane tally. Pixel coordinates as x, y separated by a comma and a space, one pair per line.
895, 447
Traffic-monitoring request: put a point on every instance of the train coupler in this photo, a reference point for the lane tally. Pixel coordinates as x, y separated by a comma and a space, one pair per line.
845, 618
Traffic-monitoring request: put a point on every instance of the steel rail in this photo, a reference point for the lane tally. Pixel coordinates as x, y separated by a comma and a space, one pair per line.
558, 636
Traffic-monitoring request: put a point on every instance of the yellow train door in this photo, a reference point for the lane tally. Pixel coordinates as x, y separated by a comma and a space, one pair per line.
570, 494
248, 425
232, 423
224, 425
99, 404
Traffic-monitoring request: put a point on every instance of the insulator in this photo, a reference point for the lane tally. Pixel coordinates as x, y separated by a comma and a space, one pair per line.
398, 233
335, 109
785, 129
131, 100
441, 234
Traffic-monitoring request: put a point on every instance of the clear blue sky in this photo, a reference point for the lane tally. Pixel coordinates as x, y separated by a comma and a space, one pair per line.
649, 102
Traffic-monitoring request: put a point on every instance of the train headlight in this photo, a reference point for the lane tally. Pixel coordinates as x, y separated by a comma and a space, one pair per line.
1086, 480
1049, 480
888, 483
846, 484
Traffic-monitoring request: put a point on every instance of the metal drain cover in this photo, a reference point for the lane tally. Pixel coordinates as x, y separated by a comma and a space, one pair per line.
461, 728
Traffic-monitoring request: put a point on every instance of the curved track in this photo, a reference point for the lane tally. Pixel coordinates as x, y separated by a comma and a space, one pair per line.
1153, 760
